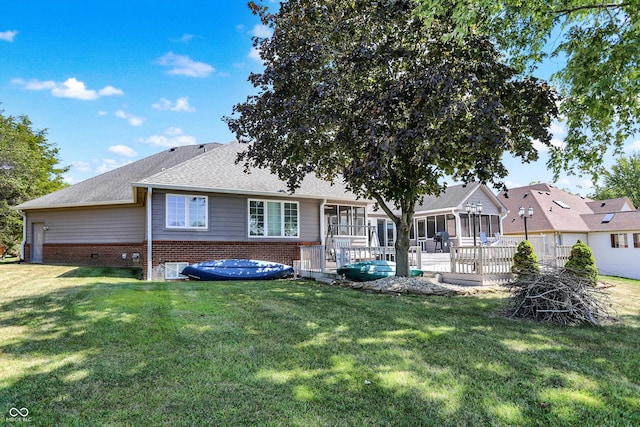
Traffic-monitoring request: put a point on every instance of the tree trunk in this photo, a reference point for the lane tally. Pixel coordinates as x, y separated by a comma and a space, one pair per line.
403, 242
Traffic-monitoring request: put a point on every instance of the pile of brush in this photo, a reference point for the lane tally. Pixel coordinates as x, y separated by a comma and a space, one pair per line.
559, 296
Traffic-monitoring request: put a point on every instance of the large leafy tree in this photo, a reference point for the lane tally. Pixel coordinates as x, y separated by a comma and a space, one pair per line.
29, 168
622, 180
364, 91
595, 45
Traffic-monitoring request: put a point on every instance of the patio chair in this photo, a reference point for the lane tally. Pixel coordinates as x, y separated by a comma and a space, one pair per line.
483, 238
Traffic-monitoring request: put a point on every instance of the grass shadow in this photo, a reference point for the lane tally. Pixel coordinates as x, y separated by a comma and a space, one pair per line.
302, 353
113, 272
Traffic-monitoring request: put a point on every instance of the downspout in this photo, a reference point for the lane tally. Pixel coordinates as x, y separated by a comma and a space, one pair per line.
149, 235
456, 214
502, 221
24, 233
322, 227
322, 234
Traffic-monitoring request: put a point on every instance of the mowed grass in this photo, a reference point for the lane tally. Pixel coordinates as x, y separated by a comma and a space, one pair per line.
89, 347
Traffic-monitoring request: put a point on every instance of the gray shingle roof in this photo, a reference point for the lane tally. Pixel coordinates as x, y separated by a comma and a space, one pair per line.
453, 196
216, 171
114, 187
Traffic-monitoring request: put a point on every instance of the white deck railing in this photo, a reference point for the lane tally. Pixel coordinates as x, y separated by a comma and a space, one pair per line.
351, 254
312, 258
476, 260
482, 259
496, 259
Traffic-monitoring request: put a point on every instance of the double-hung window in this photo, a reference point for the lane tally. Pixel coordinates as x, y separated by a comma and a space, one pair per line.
271, 218
186, 211
619, 240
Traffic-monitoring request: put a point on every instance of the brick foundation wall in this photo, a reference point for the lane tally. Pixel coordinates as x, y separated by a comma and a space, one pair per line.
110, 255
85, 254
192, 251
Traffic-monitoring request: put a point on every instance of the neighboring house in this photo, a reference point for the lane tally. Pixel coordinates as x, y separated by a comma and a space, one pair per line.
611, 227
183, 205
448, 213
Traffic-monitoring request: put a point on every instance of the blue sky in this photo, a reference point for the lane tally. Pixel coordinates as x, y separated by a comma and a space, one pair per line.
115, 81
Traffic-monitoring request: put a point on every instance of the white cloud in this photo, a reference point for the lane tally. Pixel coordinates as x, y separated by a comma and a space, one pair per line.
633, 147
261, 31
106, 165
102, 113
558, 129
254, 54
182, 104
70, 88
172, 137
185, 38
185, 66
539, 146
542, 148
8, 35
163, 105
122, 150
74, 88
110, 91
34, 84
173, 131
133, 120
81, 166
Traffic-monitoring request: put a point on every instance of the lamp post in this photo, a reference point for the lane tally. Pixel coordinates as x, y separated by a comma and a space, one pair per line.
523, 216
474, 210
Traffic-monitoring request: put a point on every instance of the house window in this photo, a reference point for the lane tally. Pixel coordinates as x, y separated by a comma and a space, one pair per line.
619, 240
189, 212
269, 218
636, 240
173, 270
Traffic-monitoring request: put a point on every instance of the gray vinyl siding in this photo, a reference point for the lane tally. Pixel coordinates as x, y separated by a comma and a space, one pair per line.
488, 205
98, 225
228, 220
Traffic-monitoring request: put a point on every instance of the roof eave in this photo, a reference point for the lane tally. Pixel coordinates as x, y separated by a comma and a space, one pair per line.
242, 192
74, 205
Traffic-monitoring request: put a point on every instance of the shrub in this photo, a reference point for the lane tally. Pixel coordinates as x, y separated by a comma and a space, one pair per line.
525, 260
582, 263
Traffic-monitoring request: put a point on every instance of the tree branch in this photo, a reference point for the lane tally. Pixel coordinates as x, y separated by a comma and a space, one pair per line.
564, 12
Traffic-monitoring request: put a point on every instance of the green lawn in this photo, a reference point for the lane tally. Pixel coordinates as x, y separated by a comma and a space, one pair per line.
92, 348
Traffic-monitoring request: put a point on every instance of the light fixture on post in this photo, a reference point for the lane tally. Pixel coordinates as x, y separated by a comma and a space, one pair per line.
524, 217
474, 210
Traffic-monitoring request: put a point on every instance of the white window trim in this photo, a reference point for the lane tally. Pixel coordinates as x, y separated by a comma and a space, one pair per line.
622, 239
172, 270
282, 209
186, 218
